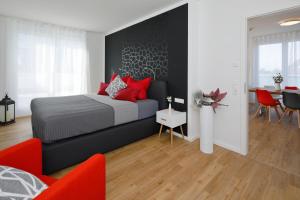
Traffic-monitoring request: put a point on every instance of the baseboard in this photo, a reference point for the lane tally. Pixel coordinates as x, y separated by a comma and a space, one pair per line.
187, 138
219, 143
228, 147
23, 116
191, 139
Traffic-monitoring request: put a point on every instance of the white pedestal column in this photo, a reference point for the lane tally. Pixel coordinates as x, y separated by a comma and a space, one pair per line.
206, 129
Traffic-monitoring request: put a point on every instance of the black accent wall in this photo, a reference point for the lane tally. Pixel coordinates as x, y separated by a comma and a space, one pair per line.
159, 44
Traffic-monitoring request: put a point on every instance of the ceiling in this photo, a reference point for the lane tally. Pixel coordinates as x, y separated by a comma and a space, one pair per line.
92, 15
268, 24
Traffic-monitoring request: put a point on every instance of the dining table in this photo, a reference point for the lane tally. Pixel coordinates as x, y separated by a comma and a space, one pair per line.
273, 91
277, 94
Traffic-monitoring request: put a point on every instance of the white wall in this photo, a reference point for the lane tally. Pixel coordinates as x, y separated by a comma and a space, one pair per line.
2, 59
96, 48
222, 45
193, 63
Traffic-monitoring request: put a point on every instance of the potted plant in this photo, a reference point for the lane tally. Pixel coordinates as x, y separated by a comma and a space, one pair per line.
278, 79
208, 104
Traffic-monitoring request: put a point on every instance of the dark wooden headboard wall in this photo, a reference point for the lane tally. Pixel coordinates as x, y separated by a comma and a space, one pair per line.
158, 45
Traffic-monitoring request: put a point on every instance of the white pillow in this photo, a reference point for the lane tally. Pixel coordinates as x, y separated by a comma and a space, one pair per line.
18, 184
115, 86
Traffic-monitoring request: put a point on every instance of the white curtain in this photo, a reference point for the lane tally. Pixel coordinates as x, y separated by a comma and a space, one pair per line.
41, 60
277, 53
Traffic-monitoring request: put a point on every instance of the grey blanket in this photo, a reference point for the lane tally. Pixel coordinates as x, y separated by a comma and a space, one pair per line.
124, 111
57, 118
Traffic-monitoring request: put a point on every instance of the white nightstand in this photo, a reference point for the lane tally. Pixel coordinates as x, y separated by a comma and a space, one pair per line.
171, 119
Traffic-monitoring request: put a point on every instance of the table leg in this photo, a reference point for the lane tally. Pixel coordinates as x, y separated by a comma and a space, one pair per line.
171, 132
285, 112
277, 112
299, 118
291, 115
160, 130
269, 113
181, 131
281, 107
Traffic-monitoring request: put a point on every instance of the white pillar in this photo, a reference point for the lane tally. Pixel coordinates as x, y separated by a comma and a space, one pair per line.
206, 129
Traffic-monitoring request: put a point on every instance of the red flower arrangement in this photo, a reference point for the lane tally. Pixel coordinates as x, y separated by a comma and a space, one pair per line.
212, 99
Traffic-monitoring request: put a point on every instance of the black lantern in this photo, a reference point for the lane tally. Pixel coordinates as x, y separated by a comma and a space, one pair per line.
7, 111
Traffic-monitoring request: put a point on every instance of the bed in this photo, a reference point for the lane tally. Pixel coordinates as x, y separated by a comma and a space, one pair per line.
75, 127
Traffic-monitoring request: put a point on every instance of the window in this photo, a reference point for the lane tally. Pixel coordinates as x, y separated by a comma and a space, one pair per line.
274, 54
293, 64
270, 63
43, 61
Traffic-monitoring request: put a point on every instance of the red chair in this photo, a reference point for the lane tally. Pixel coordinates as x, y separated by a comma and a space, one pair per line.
291, 88
266, 101
86, 181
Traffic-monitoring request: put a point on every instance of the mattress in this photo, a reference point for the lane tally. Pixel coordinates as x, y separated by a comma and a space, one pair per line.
58, 118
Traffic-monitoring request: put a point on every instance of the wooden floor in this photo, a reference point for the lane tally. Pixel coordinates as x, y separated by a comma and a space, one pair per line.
154, 169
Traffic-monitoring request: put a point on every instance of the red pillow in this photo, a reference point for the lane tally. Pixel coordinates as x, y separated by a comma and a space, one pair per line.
127, 94
102, 88
126, 78
141, 85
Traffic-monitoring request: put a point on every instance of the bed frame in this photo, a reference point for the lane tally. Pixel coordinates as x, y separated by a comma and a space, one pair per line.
68, 152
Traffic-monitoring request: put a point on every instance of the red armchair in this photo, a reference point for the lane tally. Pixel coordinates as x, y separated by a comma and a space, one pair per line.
87, 181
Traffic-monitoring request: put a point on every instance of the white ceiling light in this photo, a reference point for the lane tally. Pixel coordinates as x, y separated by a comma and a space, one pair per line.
290, 21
